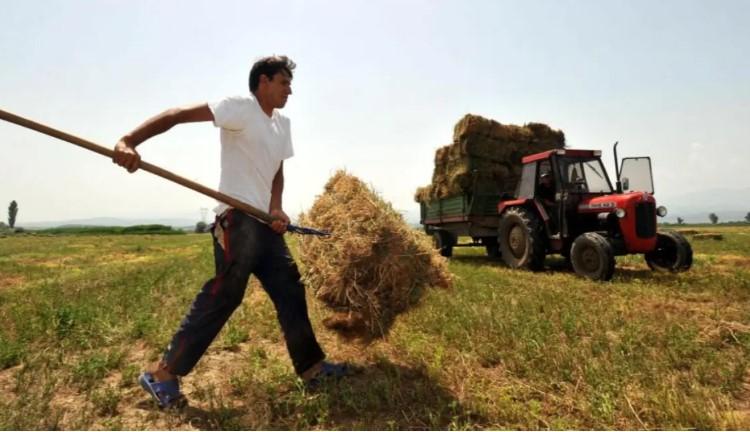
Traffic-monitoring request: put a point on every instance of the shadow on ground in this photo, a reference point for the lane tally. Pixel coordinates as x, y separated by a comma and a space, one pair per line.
478, 260
385, 395
378, 396
558, 264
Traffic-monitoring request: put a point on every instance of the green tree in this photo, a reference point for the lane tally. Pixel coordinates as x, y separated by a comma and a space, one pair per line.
201, 227
680, 221
714, 218
747, 217
12, 212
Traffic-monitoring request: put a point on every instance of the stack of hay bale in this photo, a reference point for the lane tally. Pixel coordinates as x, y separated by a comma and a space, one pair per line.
374, 265
486, 157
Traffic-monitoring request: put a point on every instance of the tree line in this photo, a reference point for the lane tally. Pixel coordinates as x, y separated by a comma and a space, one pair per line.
713, 218
203, 227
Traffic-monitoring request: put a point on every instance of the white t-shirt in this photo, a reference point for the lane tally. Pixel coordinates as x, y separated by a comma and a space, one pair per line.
253, 146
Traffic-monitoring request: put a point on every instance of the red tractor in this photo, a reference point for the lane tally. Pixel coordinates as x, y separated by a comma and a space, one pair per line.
566, 204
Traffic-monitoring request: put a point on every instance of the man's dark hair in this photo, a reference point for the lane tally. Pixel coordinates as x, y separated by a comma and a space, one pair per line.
269, 66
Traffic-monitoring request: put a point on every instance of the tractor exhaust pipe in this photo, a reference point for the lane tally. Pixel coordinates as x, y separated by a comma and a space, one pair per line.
618, 183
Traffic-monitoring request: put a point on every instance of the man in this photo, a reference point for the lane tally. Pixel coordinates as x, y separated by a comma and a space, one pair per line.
546, 190
255, 141
546, 194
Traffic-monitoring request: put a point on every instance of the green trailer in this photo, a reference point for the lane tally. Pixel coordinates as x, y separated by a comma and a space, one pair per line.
480, 184
468, 215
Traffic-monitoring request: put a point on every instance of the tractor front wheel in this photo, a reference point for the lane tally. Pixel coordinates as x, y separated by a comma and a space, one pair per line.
673, 253
592, 257
521, 239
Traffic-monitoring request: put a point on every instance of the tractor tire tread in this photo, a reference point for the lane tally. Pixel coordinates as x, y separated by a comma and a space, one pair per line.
536, 249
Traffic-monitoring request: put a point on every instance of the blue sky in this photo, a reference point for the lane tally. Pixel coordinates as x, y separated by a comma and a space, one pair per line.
379, 86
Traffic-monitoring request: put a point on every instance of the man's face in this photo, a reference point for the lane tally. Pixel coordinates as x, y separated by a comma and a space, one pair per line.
277, 89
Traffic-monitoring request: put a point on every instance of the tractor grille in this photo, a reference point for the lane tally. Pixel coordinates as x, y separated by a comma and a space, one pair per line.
645, 219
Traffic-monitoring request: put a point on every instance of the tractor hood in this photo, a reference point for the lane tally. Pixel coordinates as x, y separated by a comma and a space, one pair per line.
608, 203
633, 212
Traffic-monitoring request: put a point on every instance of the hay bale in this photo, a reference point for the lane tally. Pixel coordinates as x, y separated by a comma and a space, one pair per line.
708, 236
374, 265
485, 152
688, 231
423, 194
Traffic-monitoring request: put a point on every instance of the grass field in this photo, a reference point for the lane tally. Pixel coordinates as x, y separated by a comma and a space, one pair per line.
81, 315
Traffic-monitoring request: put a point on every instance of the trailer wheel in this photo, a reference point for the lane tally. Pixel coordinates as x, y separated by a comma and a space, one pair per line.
566, 255
443, 241
673, 253
491, 246
592, 257
521, 239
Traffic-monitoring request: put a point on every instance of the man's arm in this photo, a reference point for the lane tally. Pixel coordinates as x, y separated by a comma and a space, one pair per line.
277, 189
125, 154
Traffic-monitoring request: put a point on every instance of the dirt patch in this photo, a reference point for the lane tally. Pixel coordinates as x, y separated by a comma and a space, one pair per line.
724, 332
8, 379
71, 403
716, 322
47, 262
8, 281
696, 306
740, 416
729, 263
697, 310
708, 236
125, 258
138, 353
735, 260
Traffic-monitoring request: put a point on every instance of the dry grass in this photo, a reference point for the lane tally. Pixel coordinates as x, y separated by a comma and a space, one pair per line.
502, 349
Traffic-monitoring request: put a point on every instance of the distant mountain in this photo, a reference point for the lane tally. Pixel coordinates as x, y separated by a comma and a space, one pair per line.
110, 221
728, 203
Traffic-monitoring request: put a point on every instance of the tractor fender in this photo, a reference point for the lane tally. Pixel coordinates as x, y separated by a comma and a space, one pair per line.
503, 205
555, 244
531, 204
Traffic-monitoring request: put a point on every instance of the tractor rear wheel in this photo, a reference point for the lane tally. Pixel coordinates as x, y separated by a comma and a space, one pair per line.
521, 239
592, 257
443, 241
673, 253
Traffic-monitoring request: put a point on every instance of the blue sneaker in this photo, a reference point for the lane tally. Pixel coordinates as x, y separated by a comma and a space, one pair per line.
166, 393
328, 372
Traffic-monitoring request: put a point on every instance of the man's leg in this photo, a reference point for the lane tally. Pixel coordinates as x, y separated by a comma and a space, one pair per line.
280, 278
235, 256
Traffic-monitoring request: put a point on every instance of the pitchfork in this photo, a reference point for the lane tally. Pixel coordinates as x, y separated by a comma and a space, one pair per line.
153, 169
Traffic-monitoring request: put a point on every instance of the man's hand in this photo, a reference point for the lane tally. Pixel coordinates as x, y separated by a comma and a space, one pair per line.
126, 156
280, 223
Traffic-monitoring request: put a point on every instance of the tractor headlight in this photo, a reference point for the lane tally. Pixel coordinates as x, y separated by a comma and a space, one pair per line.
620, 213
661, 211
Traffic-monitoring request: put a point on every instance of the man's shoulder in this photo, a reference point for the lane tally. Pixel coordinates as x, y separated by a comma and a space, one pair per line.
234, 105
239, 100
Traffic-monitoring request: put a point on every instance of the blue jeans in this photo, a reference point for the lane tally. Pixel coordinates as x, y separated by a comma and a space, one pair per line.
246, 246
